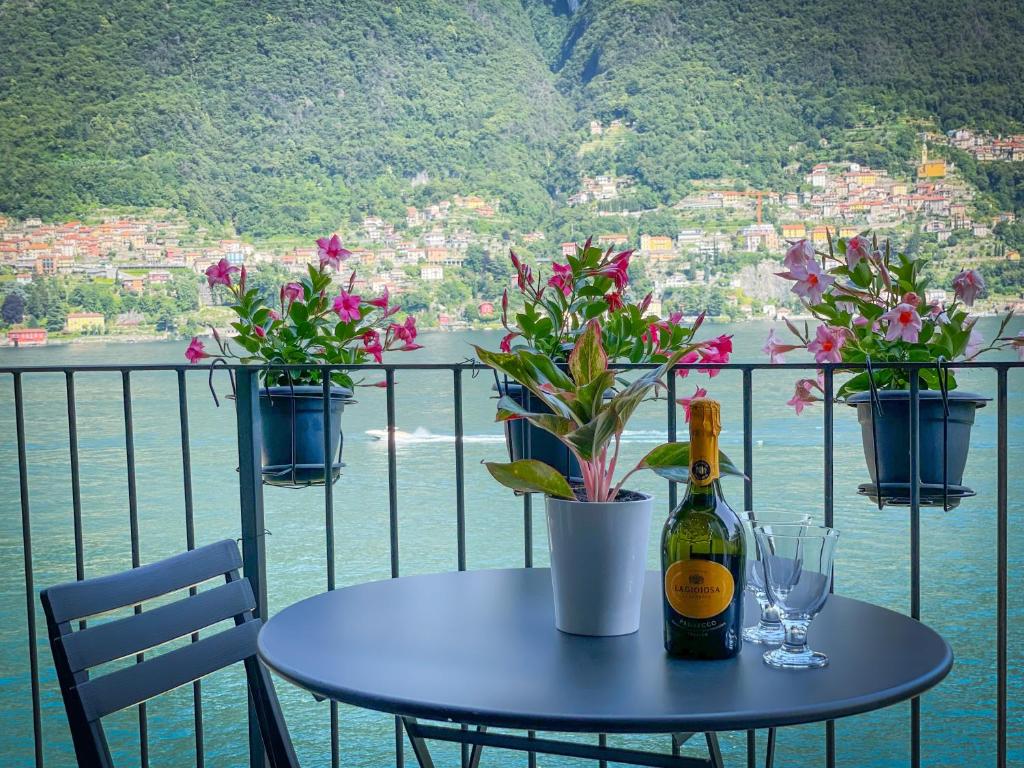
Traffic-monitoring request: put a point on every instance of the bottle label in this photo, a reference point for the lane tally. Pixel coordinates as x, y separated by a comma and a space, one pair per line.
699, 589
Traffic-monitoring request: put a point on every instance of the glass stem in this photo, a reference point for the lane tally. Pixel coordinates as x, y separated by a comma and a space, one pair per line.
796, 636
769, 615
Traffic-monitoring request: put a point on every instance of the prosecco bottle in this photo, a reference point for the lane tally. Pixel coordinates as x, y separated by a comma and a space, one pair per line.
703, 558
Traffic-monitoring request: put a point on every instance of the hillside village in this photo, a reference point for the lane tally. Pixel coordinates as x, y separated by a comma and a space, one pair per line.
718, 240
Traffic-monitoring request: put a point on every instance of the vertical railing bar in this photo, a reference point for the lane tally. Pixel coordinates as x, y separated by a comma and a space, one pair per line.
748, 501
1002, 533
76, 477
915, 549
829, 493
460, 473
460, 501
672, 423
250, 497
190, 543
329, 534
26, 547
389, 378
531, 757
133, 522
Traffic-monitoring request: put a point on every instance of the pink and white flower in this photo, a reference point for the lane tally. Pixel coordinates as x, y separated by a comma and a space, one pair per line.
803, 395
904, 323
799, 254
506, 342
810, 281
827, 343
857, 250
716, 351
382, 300
775, 349
405, 331
291, 292
614, 301
974, 342
688, 359
372, 346
967, 285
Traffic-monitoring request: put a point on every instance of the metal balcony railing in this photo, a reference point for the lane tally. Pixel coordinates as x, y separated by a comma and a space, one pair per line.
252, 523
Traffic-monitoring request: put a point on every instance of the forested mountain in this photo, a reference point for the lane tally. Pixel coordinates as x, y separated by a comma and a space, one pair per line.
277, 116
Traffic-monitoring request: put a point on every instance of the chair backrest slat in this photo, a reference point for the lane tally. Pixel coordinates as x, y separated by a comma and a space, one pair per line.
139, 632
81, 599
137, 683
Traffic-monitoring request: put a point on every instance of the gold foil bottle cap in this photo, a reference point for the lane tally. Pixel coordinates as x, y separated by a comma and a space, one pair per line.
705, 416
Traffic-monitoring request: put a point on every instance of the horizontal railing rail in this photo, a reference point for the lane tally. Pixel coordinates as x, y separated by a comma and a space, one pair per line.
247, 386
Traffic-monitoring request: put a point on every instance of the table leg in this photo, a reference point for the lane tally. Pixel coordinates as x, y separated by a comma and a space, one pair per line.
419, 746
714, 751
769, 758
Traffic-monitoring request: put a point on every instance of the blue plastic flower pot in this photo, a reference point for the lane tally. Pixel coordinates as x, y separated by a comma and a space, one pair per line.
525, 441
891, 444
292, 420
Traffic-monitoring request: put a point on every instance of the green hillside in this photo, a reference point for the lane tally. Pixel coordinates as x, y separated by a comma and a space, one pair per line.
278, 117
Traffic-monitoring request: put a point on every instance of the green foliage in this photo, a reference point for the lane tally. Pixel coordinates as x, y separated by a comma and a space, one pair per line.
270, 116
588, 413
306, 324
13, 309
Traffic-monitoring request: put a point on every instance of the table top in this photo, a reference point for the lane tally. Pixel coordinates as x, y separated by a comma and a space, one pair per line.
480, 647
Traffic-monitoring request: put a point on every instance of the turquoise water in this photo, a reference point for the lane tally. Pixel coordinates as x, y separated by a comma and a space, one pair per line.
958, 548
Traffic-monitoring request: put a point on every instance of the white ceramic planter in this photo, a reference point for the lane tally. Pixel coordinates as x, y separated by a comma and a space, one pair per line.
598, 560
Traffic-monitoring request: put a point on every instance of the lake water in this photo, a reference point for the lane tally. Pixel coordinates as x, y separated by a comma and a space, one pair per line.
958, 547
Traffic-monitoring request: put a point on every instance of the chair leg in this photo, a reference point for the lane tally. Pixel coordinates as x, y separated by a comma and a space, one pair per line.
714, 751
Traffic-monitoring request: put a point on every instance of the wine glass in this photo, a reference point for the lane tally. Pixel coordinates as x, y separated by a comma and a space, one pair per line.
768, 630
798, 576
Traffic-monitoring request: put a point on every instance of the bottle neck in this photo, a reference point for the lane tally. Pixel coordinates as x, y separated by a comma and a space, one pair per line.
704, 469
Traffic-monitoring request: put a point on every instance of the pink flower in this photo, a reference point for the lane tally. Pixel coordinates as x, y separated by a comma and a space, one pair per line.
653, 336
675, 318
259, 331
347, 307
799, 254
291, 292
405, 331
220, 273
967, 285
882, 269
614, 301
504, 306
371, 343
974, 342
562, 279
1018, 344
506, 342
811, 282
618, 269
195, 351
646, 303
382, 300
904, 323
803, 396
410, 347
857, 250
272, 314
685, 401
331, 251
381, 384
716, 351
860, 321
911, 298
827, 344
688, 359
775, 349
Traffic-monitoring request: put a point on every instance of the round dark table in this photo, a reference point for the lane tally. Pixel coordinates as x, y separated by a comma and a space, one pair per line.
481, 648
